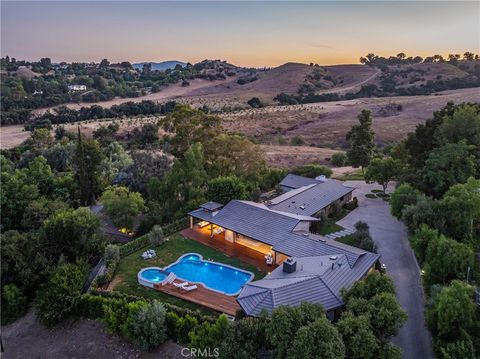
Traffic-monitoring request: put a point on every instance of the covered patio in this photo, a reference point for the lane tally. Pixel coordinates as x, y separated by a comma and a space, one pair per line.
237, 250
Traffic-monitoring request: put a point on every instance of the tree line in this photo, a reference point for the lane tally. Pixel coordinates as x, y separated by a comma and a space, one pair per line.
438, 199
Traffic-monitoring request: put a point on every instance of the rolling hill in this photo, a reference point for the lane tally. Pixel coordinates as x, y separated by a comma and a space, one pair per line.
160, 66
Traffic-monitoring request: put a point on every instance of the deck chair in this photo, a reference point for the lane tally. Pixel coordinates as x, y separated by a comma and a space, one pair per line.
170, 278
190, 288
180, 285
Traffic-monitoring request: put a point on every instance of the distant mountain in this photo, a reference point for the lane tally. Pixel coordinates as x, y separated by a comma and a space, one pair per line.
160, 66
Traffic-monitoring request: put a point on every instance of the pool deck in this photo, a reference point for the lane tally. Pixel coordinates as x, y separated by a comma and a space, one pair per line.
242, 253
203, 296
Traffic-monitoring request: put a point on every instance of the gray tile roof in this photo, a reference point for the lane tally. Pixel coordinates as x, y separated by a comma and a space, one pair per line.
296, 181
310, 199
313, 281
275, 228
211, 206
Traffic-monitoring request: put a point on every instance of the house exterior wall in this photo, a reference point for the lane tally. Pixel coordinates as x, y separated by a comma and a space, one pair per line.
329, 209
279, 258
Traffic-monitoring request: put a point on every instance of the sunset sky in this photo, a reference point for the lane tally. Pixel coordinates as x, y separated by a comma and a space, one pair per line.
243, 33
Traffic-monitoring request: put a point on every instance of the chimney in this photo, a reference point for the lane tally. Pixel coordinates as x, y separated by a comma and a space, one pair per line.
290, 265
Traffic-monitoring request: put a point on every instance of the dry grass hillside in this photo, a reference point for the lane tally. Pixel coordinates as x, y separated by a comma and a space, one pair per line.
325, 124
229, 94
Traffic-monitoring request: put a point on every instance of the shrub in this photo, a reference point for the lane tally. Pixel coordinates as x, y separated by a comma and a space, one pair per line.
149, 326
253, 341
255, 102
209, 335
350, 206
339, 159
312, 171
134, 245
171, 320
184, 326
14, 303
60, 295
362, 237
112, 254
92, 306
297, 141
156, 236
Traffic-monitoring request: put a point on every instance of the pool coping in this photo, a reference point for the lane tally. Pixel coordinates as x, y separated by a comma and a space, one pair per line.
147, 283
165, 269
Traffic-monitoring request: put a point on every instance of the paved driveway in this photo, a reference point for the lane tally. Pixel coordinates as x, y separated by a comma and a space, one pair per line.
391, 238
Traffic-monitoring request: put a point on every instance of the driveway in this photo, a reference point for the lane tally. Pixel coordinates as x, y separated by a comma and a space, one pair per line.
391, 238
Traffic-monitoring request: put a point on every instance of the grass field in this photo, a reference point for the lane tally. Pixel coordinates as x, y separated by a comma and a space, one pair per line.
167, 253
350, 240
327, 227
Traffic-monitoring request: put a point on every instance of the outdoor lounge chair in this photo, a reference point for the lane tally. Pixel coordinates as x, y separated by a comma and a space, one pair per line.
180, 285
190, 288
170, 278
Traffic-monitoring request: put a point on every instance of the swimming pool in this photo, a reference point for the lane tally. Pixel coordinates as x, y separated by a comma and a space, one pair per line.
192, 268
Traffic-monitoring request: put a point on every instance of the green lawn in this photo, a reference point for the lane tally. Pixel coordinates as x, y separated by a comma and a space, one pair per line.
354, 176
328, 226
167, 253
350, 240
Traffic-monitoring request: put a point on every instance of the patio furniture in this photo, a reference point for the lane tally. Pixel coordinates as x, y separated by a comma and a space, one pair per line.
149, 254
190, 288
219, 230
180, 285
202, 224
170, 278
269, 259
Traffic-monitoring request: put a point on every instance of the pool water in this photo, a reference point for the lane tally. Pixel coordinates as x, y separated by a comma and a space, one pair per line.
212, 275
154, 275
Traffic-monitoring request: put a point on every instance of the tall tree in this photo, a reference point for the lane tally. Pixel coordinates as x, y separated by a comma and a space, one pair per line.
382, 171
121, 205
88, 157
361, 139
448, 165
319, 339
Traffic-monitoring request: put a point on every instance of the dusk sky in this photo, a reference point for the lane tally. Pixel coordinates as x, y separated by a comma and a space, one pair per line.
243, 33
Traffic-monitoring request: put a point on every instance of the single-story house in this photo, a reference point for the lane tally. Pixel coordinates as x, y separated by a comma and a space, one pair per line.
323, 266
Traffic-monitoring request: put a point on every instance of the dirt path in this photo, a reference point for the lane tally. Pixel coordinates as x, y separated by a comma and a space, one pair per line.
356, 85
83, 338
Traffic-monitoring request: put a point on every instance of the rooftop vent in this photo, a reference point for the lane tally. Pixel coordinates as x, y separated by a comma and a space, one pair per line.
321, 178
333, 258
305, 234
302, 206
290, 265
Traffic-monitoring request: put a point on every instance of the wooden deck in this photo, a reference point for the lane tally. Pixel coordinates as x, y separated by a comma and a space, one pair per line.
203, 296
240, 252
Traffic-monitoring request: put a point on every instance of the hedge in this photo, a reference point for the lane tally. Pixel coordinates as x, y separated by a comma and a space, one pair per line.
134, 245
91, 305
143, 241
